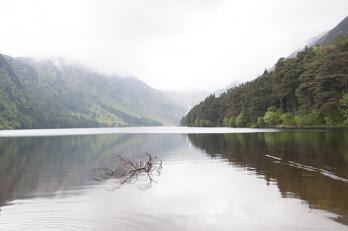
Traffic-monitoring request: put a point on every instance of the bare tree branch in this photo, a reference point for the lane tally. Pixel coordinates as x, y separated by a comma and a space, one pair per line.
131, 171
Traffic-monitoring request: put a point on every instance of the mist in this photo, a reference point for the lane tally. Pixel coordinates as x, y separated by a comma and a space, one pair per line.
174, 45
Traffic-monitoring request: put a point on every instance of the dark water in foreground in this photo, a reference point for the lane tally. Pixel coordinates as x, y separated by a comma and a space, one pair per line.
287, 180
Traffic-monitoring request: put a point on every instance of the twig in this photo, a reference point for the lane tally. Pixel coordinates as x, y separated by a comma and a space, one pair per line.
129, 170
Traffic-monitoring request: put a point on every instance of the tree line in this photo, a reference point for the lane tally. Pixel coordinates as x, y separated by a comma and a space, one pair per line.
310, 90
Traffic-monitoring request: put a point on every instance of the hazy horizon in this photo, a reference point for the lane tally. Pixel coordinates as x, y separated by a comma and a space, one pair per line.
171, 45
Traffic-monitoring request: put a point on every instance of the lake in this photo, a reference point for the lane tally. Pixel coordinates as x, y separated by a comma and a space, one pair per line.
211, 179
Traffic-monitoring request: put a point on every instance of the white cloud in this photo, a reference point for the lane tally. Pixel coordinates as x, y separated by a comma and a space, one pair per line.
183, 44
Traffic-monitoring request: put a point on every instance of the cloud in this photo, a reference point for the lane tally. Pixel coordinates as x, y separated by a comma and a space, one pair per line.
171, 44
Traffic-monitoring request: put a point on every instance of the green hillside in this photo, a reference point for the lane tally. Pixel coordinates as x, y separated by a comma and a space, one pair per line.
310, 90
46, 94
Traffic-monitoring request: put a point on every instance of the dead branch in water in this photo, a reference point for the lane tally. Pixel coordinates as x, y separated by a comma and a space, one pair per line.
131, 171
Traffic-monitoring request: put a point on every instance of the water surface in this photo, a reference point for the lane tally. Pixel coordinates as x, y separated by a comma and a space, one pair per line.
224, 180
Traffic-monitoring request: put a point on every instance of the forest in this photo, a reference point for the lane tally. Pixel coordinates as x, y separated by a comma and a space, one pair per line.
309, 90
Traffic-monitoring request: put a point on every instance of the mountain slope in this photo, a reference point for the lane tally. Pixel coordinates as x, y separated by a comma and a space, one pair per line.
220, 91
310, 90
186, 99
327, 38
13, 103
66, 95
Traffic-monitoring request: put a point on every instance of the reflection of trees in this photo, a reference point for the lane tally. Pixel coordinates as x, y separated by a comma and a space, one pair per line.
325, 150
43, 164
46, 164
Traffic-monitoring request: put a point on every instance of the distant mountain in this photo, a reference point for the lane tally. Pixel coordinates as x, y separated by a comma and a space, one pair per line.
325, 38
189, 99
219, 92
309, 90
186, 99
50, 94
308, 43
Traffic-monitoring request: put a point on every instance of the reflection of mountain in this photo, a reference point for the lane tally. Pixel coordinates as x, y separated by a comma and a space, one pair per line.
328, 151
47, 164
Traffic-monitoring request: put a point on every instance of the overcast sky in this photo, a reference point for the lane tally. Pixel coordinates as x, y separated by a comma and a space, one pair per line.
169, 44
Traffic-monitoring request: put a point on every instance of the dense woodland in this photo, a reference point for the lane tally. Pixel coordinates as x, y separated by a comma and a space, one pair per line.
310, 90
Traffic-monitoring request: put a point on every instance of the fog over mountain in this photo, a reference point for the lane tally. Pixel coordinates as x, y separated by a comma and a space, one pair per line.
177, 45
326, 37
178, 52
305, 89
186, 99
47, 94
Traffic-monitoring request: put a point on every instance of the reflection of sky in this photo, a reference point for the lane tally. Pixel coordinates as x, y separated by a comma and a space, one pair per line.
194, 192
127, 130
42, 165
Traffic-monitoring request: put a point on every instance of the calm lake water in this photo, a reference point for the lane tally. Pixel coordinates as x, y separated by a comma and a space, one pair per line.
212, 179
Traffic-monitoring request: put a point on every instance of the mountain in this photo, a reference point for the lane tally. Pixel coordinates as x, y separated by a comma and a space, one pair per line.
327, 37
310, 90
14, 106
186, 99
220, 91
309, 43
54, 94
189, 99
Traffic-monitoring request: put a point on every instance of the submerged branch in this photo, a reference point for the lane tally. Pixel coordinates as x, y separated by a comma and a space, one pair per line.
129, 171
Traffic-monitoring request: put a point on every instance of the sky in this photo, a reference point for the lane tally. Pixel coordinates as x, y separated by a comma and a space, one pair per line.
169, 44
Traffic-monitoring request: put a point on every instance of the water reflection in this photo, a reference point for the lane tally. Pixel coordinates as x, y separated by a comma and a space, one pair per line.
312, 166
236, 181
43, 165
